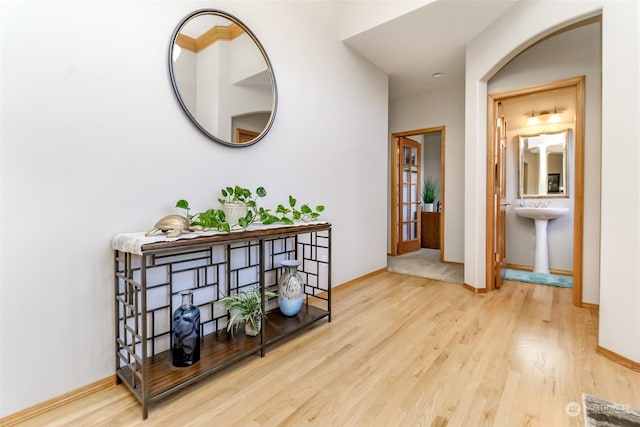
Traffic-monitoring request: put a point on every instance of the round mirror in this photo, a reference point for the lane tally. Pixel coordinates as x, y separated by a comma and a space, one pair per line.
222, 78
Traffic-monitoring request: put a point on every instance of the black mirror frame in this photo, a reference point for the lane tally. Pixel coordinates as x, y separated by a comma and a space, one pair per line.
235, 20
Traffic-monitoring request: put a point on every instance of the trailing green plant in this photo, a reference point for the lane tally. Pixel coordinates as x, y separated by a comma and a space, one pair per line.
211, 219
243, 196
245, 306
429, 190
292, 213
215, 219
237, 194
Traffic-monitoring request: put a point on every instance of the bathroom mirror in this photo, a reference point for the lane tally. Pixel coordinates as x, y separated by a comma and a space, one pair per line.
222, 78
543, 165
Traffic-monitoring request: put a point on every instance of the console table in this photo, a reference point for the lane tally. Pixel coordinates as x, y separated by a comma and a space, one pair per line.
149, 277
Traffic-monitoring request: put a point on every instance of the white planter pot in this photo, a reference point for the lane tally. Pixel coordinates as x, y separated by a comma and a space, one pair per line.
427, 207
233, 212
250, 331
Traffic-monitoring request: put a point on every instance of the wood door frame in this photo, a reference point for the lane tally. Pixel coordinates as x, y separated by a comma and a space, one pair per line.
395, 179
578, 198
499, 171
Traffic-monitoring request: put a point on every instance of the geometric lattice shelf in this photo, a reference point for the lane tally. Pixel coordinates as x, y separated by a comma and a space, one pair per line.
147, 288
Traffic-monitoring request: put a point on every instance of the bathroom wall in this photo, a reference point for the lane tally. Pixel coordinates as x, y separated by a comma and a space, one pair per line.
569, 54
94, 143
520, 232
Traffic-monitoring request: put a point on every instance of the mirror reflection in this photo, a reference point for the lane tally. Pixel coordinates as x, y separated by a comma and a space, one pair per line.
543, 165
222, 78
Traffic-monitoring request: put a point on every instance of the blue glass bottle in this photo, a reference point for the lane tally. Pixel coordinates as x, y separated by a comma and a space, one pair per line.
186, 332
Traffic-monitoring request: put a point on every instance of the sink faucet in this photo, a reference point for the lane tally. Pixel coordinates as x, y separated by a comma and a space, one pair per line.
543, 204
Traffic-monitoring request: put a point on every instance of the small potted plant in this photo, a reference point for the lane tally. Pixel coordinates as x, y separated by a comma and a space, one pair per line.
245, 307
239, 211
239, 205
429, 194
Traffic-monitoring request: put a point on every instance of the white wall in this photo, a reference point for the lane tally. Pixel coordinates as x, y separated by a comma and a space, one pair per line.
620, 234
523, 24
213, 87
93, 143
431, 155
442, 107
245, 59
185, 75
573, 53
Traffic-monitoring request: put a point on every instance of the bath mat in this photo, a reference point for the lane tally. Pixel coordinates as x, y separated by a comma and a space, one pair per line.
599, 413
541, 278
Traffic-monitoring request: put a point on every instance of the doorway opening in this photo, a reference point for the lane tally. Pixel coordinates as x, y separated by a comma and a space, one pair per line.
498, 194
409, 220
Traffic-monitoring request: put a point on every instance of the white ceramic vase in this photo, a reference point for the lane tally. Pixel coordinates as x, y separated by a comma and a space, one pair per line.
290, 288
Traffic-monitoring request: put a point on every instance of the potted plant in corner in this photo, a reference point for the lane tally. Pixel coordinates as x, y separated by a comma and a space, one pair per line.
245, 308
429, 194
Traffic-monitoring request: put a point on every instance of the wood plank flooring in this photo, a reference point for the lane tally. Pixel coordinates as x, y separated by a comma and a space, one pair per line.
401, 351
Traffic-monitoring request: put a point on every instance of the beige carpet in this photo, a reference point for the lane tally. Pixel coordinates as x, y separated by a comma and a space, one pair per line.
426, 263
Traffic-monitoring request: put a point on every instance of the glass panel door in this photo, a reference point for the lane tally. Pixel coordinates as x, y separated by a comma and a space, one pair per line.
409, 196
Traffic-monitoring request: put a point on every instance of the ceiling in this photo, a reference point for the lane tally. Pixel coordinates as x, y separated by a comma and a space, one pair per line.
429, 40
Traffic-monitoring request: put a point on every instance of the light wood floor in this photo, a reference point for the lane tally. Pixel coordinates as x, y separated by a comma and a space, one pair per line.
401, 351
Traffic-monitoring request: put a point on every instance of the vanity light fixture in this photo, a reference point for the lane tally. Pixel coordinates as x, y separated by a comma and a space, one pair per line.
555, 117
533, 120
544, 116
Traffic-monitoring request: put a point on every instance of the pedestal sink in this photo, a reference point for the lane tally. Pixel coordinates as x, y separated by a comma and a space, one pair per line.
541, 216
